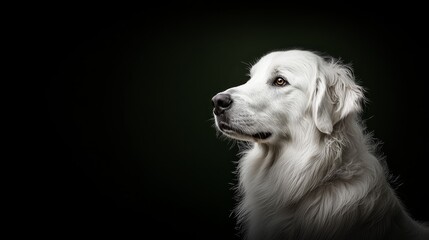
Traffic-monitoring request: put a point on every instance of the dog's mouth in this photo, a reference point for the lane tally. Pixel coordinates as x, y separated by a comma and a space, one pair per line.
233, 131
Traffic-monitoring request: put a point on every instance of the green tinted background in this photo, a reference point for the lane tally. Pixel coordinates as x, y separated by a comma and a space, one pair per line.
130, 120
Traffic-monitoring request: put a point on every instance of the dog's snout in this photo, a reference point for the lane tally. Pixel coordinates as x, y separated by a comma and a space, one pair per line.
221, 102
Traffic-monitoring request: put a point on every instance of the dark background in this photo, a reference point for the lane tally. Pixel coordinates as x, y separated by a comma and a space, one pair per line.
122, 140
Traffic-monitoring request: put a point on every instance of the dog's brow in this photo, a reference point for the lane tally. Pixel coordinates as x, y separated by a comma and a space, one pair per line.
282, 68
277, 70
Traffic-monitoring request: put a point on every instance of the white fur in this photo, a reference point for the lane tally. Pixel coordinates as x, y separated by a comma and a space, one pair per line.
317, 176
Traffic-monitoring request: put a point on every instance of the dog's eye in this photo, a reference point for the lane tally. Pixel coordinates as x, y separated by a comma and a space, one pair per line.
280, 82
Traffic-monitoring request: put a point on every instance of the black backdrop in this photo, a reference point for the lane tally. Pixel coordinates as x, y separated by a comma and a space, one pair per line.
123, 128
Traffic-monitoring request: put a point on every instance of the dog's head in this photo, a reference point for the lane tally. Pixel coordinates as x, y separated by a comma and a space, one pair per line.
285, 90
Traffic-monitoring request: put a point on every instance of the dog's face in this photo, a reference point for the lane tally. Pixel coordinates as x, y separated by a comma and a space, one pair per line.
282, 88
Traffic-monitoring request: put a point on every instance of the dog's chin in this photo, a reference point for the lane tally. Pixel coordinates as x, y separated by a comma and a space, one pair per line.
238, 134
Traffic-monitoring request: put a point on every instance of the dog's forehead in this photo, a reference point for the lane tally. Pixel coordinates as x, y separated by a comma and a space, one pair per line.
284, 59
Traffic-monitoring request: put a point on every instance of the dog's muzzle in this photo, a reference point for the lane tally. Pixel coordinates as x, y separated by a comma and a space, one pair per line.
221, 103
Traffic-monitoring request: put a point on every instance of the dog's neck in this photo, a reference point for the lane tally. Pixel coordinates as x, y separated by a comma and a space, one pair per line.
301, 168
307, 159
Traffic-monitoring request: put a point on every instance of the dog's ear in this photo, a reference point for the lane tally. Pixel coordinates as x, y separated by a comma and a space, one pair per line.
322, 106
335, 95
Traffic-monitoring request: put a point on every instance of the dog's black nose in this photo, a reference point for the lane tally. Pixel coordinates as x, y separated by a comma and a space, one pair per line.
221, 102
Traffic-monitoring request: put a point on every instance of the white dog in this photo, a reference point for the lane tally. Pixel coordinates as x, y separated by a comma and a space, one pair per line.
311, 172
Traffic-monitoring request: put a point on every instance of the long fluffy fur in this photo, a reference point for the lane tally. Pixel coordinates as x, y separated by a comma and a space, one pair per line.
319, 178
